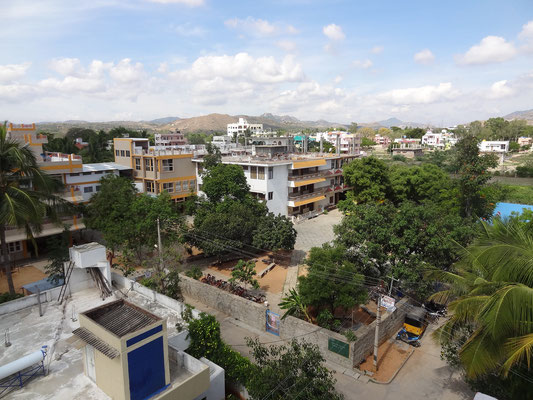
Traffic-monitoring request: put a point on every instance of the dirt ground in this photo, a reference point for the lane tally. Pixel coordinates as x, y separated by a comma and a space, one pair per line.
363, 317
23, 276
272, 282
390, 359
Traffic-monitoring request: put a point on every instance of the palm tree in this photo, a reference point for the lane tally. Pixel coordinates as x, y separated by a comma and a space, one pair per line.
294, 305
492, 292
26, 194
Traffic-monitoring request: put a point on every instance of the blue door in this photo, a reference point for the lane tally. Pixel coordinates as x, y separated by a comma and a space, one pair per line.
146, 367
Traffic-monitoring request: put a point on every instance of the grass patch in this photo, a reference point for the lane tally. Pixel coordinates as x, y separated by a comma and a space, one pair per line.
517, 194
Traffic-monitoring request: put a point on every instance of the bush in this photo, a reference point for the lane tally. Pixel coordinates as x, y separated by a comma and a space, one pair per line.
5, 297
399, 157
195, 273
204, 333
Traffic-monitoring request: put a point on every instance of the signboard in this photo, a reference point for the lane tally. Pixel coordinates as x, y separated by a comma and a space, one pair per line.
388, 303
339, 347
272, 322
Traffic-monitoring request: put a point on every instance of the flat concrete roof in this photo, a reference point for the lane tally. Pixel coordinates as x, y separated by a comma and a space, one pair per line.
65, 378
107, 166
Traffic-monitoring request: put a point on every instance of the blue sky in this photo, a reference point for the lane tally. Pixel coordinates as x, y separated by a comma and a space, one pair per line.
442, 63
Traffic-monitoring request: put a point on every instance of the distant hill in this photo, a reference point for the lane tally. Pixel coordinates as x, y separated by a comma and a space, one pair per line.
527, 115
163, 121
387, 123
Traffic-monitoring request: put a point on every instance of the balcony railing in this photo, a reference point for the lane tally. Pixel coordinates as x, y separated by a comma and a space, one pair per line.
317, 174
307, 194
50, 156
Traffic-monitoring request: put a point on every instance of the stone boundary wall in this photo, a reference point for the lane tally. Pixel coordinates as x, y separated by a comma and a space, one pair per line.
254, 315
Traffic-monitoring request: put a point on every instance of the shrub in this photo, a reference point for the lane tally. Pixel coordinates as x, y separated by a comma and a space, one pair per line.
5, 297
195, 273
399, 157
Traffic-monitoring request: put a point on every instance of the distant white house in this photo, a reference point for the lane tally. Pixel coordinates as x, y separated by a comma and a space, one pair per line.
240, 127
433, 140
499, 147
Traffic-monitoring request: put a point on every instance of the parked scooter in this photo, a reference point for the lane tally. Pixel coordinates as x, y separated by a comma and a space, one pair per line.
409, 338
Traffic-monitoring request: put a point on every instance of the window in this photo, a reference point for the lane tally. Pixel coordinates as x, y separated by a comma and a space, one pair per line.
97, 188
117, 153
15, 247
98, 172
260, 172
122, 153
168, 187
332, 182
127, 153
270, 195
88, 189
253, 172
149, 164
270, 172
75, 174
168, 165
178, 186
150, 187
138, 164
87, 173
331, 200
185, 186
245, 167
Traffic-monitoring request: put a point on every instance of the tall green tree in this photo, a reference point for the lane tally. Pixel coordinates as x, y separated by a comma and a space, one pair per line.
370, 179
331, 281
294, 370
492, 293
27, 194
225, 181
244, 272
472, 176
275, 232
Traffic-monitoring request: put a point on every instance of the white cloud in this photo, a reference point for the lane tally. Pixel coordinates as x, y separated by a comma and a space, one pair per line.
418, 95
425, 57
363, 64
190, 3
126, 72
10, 72
74, 84
287, 45
243, 67
526, 35
65, 66
377, 49
500, 90
259, 27
333, 32
338, 79
491, 49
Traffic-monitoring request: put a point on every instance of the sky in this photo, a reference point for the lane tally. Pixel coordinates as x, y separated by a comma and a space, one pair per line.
432, 62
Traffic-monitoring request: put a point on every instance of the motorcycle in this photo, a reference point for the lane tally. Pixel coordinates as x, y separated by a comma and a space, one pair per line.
409, 338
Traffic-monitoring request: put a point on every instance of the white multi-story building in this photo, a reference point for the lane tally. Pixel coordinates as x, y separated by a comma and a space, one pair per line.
84, 184
498, 147
434, 140
173, 138
348, 143
240, 127
297, 186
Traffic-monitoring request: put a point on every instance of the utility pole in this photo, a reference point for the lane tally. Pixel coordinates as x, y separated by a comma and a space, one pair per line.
376, 337
159, 246
392, 279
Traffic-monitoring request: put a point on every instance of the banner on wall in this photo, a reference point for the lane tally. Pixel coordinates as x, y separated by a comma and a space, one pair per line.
272, 322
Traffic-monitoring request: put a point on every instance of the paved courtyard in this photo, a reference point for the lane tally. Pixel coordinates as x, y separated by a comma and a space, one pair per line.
316, 231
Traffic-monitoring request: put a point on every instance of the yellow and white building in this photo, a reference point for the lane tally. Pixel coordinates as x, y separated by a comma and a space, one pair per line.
158, 169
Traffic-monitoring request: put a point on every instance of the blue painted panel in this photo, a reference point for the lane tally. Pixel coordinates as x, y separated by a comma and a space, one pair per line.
505, 209
144, 335
146, 369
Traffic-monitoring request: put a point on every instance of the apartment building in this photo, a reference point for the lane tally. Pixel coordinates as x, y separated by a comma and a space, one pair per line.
173, 138
157, 169
240, 127
498, 147
348, 143
58, 165
296, 186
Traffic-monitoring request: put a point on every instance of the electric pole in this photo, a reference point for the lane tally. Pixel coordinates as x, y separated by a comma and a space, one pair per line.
159, 246
376, 338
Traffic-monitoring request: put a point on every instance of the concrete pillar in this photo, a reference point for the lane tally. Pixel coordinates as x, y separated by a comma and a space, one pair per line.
321, 144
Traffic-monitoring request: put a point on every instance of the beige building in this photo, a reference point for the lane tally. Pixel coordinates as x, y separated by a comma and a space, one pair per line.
157, 170
58, 165
126, 354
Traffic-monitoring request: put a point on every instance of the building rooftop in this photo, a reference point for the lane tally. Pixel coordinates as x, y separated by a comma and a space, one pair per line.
106, 166
121, 317
65, 378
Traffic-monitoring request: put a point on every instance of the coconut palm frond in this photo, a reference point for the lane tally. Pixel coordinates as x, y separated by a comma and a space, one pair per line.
480, 354
518, 349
